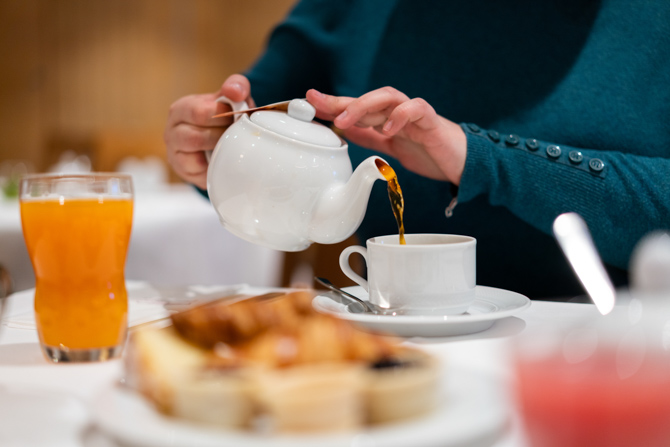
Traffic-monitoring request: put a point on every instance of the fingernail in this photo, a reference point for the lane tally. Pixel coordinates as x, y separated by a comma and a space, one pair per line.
339, 118
236, 86
318, 93
387, 126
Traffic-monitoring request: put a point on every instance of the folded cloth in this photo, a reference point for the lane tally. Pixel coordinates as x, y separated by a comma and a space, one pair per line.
138, 313
146, 302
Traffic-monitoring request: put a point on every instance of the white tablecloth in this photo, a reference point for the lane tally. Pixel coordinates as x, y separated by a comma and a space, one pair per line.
22, 368
176, 240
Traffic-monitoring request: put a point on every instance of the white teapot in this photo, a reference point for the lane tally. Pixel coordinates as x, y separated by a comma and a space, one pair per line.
280, 180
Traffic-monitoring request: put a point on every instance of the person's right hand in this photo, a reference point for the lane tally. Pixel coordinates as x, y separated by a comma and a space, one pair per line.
191, 130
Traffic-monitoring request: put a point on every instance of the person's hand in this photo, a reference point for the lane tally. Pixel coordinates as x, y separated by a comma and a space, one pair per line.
409, 130
191, 130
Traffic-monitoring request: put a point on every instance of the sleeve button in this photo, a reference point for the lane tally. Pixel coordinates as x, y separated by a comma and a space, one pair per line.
575, 157
473, 127
494, 136
532, 144
596, 165
553, 151
512, 140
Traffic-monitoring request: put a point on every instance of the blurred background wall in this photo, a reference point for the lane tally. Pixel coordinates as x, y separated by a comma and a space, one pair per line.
98, 76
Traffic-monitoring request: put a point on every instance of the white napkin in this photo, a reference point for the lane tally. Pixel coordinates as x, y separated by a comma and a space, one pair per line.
138, 313
147, 302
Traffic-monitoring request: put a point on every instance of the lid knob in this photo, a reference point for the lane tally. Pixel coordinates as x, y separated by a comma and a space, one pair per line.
297, 124
302, 110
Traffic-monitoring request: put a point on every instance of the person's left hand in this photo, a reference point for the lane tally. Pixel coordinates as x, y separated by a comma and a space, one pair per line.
410, 130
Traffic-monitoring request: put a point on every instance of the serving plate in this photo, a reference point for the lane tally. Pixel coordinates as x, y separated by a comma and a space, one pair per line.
472, 412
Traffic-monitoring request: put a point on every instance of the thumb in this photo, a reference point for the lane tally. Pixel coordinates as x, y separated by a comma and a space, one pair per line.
236, 88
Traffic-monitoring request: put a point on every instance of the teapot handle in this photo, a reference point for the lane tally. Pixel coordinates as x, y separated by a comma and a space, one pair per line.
236, 106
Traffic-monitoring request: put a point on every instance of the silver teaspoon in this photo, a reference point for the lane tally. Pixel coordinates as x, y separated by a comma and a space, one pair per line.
575, 240
360, 305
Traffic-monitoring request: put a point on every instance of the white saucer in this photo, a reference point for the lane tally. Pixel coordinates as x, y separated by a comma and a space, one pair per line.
490, 305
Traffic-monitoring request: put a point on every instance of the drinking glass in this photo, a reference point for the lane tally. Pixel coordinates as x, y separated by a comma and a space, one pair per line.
77, 228
600, 382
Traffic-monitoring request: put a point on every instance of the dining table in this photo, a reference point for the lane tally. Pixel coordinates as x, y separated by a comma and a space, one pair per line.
63, 405
176, 238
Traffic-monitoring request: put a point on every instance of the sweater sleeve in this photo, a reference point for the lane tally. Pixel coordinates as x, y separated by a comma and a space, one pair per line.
621, 196
298, 53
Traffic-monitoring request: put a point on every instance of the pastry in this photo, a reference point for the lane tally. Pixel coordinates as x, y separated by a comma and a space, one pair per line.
273, 358
402, 387
175, 375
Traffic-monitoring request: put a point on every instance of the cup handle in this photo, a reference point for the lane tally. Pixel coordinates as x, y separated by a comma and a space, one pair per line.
236, 106
346, 268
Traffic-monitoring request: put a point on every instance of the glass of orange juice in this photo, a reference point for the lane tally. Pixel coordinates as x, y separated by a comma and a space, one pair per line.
77, 229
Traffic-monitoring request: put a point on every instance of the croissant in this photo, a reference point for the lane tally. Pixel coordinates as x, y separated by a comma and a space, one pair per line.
221, 322
317, 339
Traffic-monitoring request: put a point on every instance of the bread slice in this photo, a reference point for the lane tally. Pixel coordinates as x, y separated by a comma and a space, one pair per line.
403, 387
219, 398
312, 397
173, 374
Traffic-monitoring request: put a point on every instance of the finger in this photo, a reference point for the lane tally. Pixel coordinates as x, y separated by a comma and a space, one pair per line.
327, 106
191, 164
189, 138
185, 146
236, 88
374, 105
416, 111
191, 167
197, 110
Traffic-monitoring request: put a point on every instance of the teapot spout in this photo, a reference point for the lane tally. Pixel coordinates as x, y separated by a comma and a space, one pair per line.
341, 208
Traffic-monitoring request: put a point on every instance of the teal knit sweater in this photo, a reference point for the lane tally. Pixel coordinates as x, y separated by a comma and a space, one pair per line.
567, 105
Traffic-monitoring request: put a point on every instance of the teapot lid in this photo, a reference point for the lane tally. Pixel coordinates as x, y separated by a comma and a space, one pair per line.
297, 124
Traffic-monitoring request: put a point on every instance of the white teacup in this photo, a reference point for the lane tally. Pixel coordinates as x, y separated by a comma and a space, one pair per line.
433, 274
